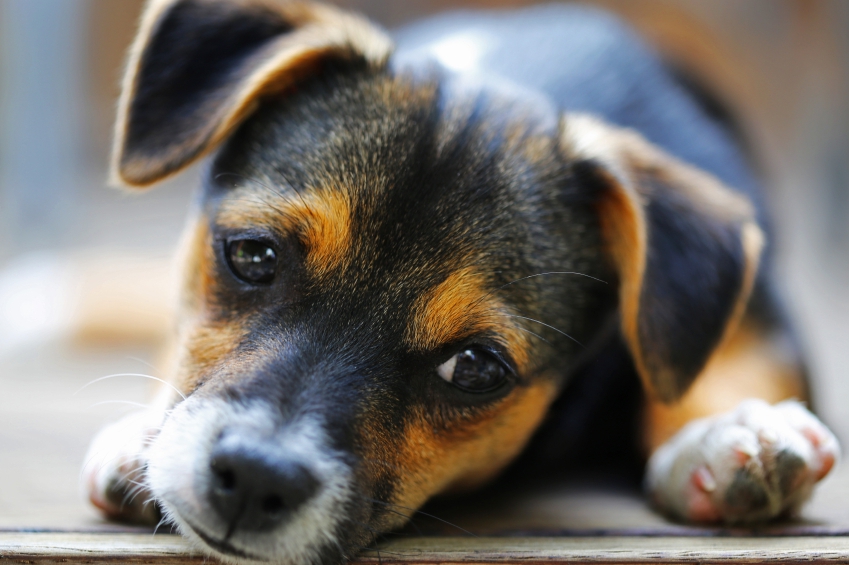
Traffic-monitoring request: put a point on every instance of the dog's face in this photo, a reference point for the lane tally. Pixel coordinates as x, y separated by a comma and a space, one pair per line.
358, 311
388, 275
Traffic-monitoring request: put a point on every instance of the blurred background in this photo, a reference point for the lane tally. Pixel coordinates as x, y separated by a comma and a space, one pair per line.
782, 65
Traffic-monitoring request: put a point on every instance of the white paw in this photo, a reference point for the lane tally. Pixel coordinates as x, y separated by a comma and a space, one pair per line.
114, 470
751, 464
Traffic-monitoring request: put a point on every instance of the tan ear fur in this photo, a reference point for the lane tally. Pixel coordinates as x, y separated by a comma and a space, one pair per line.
319, 32
626, 161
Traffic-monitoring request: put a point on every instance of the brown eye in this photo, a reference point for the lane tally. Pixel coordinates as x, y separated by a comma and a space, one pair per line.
252, 261
474, 370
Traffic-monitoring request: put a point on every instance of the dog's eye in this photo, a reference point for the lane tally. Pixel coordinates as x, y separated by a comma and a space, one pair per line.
252, 260
474, 370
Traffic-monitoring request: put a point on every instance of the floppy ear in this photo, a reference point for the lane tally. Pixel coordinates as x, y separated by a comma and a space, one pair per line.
686, 249
198, 68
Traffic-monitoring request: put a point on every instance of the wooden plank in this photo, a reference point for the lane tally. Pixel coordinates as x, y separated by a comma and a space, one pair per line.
589, 510
95, 548
69, 549
451, 551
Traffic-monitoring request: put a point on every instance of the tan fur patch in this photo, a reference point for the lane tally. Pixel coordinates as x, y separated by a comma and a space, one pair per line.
203, 347
623, 230
320, 218
461, 306
627, 158
196, 258
325, 221
467, 452
749, 364
470, 453
201, 343
753, 243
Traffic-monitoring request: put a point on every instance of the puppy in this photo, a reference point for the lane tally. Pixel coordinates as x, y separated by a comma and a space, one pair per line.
404, 251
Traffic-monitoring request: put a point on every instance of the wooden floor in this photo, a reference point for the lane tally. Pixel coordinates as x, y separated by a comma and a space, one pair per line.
172, 549
46, 422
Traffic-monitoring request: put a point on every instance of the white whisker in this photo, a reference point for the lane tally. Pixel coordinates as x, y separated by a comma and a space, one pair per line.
162, 521
520, 328
553, 273
140, 375
128, 402
142, 361
561, 332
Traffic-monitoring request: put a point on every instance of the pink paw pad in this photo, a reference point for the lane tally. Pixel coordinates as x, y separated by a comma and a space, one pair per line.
822, 447
701, 507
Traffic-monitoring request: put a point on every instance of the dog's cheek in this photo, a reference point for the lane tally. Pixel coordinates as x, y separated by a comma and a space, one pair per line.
468, 452
206, 347
205, 337
196, 261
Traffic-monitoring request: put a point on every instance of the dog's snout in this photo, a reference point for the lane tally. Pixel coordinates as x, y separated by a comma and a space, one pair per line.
255, 485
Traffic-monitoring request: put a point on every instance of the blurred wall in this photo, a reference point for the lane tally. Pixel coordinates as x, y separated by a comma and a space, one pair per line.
783, 64
41, 123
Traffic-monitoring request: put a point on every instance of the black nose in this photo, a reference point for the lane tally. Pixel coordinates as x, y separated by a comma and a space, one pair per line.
255, 485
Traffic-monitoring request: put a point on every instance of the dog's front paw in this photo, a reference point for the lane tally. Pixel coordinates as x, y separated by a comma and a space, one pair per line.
114, 470
754, 463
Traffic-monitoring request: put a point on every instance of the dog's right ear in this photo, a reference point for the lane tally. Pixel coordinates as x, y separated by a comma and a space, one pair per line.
198, 68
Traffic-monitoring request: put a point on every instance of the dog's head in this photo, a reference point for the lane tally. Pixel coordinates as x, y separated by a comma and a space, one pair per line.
390, 273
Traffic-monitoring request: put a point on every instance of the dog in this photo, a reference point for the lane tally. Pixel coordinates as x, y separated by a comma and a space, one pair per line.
411, 253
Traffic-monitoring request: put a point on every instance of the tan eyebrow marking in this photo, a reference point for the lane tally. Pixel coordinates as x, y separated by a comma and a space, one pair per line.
326, 229
461, 306
320, 217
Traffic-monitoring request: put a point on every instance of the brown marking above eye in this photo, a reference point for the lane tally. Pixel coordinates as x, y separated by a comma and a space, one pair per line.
325, 229
462, 306
321, 219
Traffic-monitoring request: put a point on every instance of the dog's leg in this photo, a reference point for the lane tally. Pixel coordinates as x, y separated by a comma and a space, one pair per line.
114, 470
737, 457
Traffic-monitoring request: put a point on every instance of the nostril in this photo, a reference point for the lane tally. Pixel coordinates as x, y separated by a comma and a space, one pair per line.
273, 505
224, 478
255, 485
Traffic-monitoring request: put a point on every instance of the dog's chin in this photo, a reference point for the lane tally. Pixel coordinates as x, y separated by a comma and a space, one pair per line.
281, 547
217, 546
178, 476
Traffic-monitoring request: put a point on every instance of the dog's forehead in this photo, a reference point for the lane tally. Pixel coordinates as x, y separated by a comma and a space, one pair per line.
408, 196
390, 170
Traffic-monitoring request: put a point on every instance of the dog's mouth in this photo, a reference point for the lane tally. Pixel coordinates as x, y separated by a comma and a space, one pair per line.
254, 491
221, 545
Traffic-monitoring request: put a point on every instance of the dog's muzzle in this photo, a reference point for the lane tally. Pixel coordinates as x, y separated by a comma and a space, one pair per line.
255, 484
248, 487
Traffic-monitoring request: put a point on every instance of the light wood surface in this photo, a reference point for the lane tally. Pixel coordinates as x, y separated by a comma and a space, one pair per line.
46, 548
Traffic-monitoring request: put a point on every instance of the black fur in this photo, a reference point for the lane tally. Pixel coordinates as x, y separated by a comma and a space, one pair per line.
198, 52
585, 60
445, 171
693, 277
419, 211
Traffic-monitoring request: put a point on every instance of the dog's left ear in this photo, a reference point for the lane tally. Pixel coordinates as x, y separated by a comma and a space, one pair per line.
198, 68
685, 247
